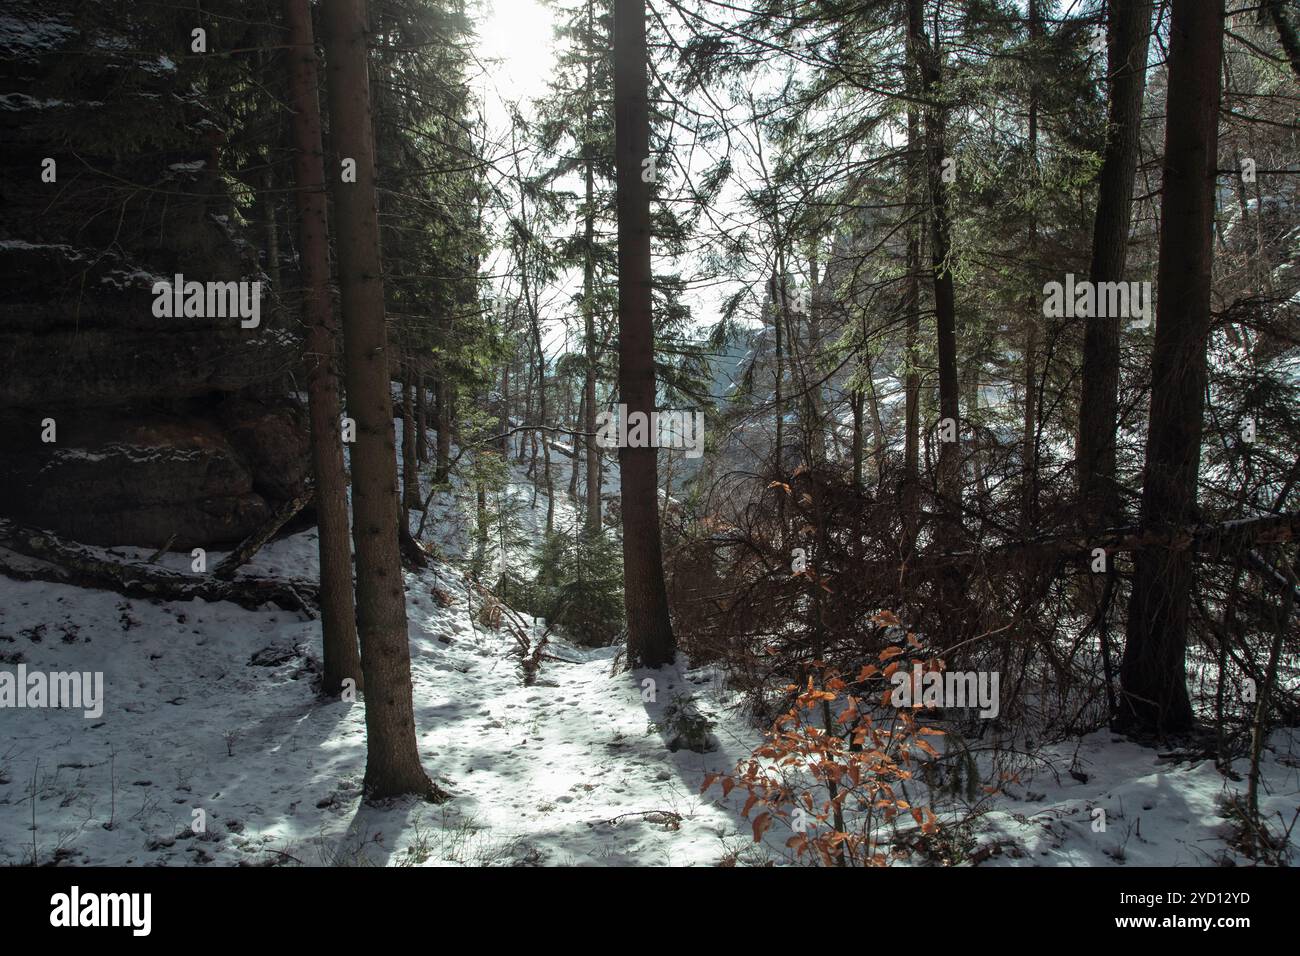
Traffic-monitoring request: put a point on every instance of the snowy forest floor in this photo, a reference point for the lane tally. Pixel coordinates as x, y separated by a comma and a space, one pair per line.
212, 707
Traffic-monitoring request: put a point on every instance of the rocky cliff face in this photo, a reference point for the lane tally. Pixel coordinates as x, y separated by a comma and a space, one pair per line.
119, 426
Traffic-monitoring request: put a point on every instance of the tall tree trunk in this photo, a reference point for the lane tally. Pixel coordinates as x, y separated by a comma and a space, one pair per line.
912, 308
650, 641
1153, 672
1128, 29
392, 759
1033, 314
342, 660
926, 55
593, 518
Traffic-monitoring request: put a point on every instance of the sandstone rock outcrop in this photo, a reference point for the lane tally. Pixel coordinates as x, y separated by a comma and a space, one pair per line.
180, 430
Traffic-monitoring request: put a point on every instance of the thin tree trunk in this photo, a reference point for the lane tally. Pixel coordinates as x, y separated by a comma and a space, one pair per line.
392, 758
421, 419
442, 448
856, 402
1259, 725
527, 407
550, 484
542, 437
1153, 674
576, 463
650, 641
481, 513
813, 388
535, 325
880, 446
1129, 29
780, 317
271, 226
505, 408
410, 467
972, 412
1029, 433
532, 464
778, 326
341, 657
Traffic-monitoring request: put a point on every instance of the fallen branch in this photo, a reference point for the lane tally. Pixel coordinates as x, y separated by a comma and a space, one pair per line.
253, 543
153, 558
664, 818
66, 562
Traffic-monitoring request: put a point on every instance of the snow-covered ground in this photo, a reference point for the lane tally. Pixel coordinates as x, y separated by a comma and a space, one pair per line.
212, 708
